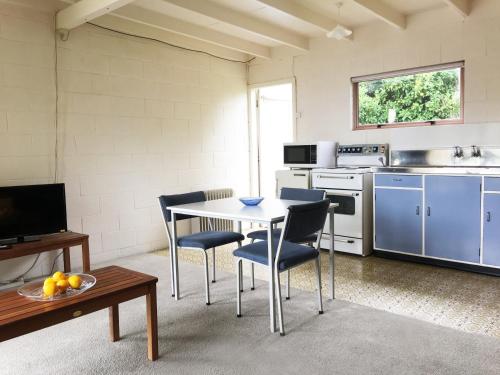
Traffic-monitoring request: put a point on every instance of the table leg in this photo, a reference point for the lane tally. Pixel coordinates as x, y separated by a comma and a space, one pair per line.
174, 253
332, 257
152, 323
114, 323
272, 299
85, 255
67, 260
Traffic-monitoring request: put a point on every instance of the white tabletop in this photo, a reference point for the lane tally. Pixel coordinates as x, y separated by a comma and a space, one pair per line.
269, 210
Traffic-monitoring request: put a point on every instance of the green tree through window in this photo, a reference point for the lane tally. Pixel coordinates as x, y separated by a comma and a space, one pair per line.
419, 98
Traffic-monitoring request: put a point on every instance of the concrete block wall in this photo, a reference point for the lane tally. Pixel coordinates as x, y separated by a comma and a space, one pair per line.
436, 36
135, 119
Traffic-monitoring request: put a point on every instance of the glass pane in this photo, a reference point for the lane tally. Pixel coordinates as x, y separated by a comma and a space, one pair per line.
420, 97
347, 205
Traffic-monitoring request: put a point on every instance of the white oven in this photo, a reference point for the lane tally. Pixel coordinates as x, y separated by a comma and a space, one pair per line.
351, 187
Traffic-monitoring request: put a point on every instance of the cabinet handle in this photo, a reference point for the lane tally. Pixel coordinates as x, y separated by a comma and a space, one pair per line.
488, 216
428, 211
418, 211
299, 175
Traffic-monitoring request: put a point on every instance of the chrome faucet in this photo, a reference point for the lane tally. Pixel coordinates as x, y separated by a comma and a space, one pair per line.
476, 152
458, 152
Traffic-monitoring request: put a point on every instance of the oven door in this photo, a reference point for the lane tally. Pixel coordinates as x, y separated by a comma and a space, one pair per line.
348, 220
299, 155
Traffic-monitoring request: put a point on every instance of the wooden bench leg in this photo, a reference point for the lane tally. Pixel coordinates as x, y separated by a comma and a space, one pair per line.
85, 255
114, 323
67, 260
152, 324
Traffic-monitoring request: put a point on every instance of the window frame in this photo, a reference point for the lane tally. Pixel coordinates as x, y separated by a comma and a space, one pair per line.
402, 72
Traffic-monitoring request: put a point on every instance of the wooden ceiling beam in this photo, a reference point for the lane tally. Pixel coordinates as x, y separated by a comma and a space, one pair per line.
85, 10
384, 12
161, 21
301, 13
461, 6
241, 20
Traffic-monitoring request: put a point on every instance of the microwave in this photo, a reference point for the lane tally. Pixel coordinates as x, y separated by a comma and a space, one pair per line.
310, 155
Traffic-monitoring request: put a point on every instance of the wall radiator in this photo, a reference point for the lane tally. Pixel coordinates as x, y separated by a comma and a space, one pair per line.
218, 224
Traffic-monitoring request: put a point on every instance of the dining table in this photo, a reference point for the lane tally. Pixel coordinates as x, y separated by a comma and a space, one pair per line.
268, 213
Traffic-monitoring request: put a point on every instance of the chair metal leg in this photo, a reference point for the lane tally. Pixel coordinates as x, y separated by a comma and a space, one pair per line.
172, 276
213, 264
240, 273
252, 271
207, 285
287, 284
318, 274
238, 288
280, 305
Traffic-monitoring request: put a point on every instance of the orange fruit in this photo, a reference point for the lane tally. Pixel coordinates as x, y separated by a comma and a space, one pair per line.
75, 281
59, 276
62, 285
50, 288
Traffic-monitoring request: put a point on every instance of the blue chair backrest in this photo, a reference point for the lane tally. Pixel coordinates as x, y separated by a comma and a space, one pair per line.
177, 199
295, 194
305, 219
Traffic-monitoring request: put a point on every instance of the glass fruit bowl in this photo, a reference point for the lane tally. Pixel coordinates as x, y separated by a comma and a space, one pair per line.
34, 289
251, 201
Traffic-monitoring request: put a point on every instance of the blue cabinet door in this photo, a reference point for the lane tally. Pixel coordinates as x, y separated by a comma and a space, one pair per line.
453, 217
398, 220
491, 239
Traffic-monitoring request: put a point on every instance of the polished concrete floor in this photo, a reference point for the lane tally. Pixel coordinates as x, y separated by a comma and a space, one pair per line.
462, 300
348, 339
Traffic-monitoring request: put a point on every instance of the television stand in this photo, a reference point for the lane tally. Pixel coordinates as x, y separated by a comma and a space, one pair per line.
52, 242
14, 240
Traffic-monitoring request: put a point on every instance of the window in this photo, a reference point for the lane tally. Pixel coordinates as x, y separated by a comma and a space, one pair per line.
413, 97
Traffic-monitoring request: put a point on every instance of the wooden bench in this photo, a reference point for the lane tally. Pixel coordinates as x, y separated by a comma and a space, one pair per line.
20, 315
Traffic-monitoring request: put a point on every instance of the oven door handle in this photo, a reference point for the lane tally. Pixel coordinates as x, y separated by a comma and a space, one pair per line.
343, 194
337, 177
345, 241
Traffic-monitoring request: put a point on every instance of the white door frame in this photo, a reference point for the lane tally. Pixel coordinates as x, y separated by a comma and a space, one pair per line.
253, 120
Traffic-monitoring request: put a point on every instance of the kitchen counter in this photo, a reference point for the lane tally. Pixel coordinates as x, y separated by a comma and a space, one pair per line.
493, 171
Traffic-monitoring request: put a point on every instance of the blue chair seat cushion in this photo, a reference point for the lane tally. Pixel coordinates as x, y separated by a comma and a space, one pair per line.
209, 239
292, 254
262, 236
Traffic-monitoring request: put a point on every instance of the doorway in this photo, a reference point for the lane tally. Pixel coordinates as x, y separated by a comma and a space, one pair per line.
272, 124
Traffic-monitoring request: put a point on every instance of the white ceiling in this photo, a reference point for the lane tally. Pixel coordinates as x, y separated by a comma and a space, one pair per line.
270, 23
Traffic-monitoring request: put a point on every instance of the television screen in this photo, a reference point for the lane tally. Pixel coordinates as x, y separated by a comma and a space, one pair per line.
32, 210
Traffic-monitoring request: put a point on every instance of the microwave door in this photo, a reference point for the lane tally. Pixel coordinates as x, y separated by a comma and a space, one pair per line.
297, 154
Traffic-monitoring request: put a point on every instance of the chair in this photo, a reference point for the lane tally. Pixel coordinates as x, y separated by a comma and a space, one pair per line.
309, 195
301, 221
199, 241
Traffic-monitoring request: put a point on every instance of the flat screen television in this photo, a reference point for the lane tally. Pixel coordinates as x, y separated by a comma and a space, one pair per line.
27, 212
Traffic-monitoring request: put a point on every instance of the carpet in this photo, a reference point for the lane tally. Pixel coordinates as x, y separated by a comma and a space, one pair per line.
198, 339
457, 299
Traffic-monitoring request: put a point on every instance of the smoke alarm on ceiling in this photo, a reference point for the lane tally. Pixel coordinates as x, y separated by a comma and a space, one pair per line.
339, 32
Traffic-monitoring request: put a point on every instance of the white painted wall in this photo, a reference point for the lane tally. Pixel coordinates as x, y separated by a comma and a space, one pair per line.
136, 119
323, 76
